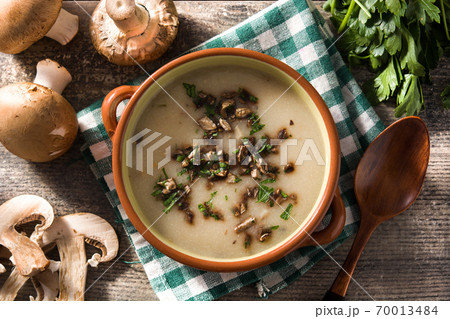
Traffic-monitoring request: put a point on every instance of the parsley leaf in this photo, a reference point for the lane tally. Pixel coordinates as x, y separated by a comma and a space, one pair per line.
287, 212
267, 181
256, 126
170, 202
386, 82
165, 174
422, 8
401, 41
190, 90
247, 242
209, 203
409, 99
409, 56
445, 95
264, 193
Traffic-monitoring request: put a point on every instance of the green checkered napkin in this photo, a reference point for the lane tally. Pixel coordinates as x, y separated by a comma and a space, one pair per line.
294, 32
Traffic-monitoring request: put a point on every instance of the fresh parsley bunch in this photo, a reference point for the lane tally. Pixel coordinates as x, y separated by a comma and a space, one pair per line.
400, 41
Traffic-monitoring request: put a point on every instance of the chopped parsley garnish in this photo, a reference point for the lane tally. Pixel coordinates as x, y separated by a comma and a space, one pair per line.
210, 111
184, 170
157, 192
284, 195
180, 158
246, 96
285, 215
275, 227
235, 151
170, 202
206, 208
226, 197
247, 242
256, 126
165, 174
237, 180
266, 147
209, 203
224, 165
190, 90
264, 193
267, 181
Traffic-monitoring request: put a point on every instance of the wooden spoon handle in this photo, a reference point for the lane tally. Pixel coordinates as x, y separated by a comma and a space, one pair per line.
340, 285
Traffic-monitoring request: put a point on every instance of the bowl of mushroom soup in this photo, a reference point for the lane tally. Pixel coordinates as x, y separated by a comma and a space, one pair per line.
226, 160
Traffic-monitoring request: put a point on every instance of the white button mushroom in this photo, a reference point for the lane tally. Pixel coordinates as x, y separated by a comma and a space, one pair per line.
129, 31
37, 123
26, 253
27, 21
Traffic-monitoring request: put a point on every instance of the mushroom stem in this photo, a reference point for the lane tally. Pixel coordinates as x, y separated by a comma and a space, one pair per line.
12, 285
73, 268
46, 283
65, 27
130, 18
52, 75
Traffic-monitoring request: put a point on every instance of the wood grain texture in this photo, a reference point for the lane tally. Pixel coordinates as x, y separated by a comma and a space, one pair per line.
406, 258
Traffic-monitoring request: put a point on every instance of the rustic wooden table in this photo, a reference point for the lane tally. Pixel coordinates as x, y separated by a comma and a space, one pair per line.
407, 257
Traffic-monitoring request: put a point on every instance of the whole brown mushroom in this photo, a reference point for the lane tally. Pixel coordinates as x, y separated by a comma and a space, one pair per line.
127, 32
24, 22
37, 123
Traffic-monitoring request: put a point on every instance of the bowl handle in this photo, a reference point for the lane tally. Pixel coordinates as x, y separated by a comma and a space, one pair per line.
110, 103
334, 228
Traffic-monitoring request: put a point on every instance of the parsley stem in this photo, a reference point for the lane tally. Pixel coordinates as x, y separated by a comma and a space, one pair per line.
446, 4
333, 5
347, 16
444, 20
363, 8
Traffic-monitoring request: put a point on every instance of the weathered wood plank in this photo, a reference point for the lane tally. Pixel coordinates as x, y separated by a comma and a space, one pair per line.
407, 258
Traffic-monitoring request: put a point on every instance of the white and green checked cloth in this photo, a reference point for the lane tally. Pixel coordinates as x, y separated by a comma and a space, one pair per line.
294, 32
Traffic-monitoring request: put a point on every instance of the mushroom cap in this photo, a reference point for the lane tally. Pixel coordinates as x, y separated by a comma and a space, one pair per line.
25, 22
95, 230
120, 49
37, 123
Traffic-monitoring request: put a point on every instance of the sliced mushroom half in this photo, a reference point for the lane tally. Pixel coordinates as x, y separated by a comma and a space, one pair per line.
70, 232
26, 253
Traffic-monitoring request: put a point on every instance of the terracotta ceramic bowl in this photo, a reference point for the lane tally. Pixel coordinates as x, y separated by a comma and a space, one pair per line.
304, 235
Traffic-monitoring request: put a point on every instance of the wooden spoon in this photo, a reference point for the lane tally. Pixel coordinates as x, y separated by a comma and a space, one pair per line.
387, 181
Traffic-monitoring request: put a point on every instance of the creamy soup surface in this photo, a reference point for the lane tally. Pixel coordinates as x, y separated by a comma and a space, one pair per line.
211, 237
